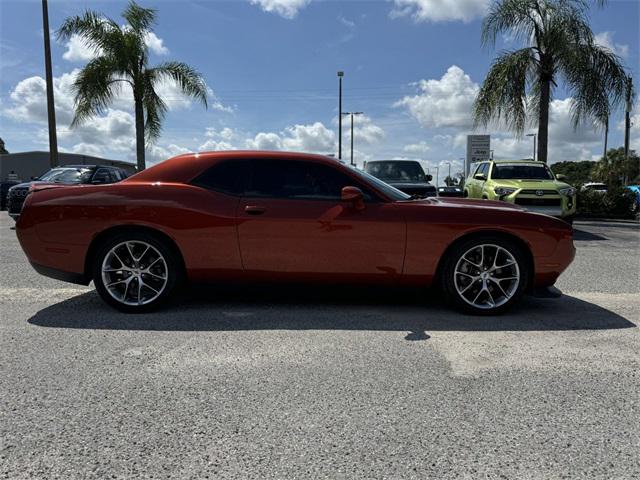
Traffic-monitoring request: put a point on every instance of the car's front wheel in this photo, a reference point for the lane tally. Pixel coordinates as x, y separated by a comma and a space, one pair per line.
135, 272
484, 275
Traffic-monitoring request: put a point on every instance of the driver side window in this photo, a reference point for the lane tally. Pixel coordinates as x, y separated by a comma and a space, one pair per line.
299, 180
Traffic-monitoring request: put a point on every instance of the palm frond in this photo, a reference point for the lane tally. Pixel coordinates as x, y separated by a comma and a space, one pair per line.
95, 87
504, 91
154, 107
139, 19
190, 81
96, 30
596, 79
513, 16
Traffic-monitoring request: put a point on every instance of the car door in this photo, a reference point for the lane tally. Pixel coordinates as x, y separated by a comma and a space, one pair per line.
478, 185
291, 221
470, 182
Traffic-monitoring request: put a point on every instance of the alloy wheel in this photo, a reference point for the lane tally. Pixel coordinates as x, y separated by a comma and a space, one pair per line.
134, 273
487, 276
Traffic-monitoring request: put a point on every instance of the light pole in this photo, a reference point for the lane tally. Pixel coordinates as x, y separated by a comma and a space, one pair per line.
437, 175
340, 75
535, 139
352, 114
449, 175
51, 111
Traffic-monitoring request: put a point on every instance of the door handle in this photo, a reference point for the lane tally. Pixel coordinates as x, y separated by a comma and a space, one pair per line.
254, 209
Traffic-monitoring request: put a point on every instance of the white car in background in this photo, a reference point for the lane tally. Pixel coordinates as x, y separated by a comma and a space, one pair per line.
595, 187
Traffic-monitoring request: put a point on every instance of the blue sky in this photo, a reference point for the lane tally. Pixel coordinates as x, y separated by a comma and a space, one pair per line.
413, 67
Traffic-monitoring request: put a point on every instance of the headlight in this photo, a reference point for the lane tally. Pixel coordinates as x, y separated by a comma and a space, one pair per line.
503, 191
569, 191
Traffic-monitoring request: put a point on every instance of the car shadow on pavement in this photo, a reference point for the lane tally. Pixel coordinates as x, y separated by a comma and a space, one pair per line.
583, 235
326, 308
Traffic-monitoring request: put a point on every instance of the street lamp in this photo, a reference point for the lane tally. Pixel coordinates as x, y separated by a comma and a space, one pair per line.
437, 175
51, 112
340, 75
352, 114
535, 136
448, 176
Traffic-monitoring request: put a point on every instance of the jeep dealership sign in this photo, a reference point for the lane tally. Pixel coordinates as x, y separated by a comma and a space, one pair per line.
478, 149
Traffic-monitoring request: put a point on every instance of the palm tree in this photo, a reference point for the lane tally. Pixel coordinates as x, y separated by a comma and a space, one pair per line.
559, 46
122, 57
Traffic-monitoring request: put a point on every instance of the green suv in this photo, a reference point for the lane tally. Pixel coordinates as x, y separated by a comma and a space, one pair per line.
523, 182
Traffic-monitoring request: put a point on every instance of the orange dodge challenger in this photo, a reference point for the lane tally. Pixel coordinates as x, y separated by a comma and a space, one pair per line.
274, 216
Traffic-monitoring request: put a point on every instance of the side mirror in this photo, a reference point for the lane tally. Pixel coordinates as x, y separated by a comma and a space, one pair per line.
480, 176
560, 176
429, 177
354, 196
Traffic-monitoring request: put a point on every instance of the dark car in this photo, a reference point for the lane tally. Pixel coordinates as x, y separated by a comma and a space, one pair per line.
66, 175
406, 175
4, 190
452, 191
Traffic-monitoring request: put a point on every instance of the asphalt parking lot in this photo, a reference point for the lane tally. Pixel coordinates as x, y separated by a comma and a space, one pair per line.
324, 383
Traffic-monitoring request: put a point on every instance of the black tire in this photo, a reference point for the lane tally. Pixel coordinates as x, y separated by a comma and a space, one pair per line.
569, 220
172, 275
447, 275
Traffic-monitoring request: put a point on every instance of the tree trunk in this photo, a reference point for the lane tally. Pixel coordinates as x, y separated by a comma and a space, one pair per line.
543, 119
139, 133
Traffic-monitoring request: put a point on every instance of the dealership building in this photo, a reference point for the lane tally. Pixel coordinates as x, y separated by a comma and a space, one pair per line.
27, 165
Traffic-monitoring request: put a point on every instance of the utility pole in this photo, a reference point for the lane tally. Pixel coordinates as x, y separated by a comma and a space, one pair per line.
340, 75
51, 111
437, 175
627, 117
352, 114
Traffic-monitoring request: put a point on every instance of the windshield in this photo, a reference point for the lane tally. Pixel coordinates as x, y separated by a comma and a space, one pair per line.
387, 189
521, 171
396, 171
67, 175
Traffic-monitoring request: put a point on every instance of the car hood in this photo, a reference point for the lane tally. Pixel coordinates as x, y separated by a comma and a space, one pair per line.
22, 185
531, 184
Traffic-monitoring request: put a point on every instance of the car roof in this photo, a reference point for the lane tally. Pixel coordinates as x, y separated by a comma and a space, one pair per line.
524, 162
393, 160
184, 168
89, 167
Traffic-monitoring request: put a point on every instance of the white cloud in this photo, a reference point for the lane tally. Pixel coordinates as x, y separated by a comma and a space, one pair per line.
605, 39
417, 148
364, 130
315, 138
446, 102
155, 44
440, 10
77, 49
157, 153
29, 101
216, 140
265, 141
309, 138
285, 8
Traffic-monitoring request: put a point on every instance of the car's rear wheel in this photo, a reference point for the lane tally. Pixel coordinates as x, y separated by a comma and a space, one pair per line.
135, 272
484, 275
